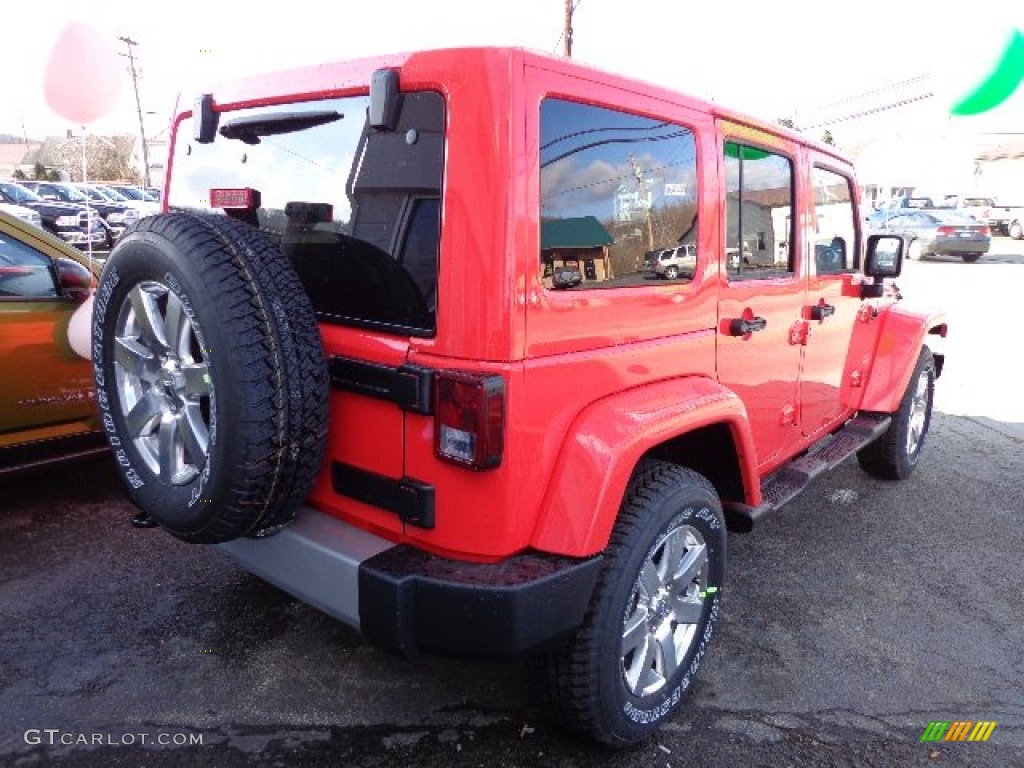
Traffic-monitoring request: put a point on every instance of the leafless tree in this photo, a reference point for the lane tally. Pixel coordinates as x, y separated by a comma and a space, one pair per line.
108, 158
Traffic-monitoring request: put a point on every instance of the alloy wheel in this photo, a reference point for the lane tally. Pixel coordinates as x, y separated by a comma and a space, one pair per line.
664, 610
163, 383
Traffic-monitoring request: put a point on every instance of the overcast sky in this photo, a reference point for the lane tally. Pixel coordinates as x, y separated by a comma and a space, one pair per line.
767, 58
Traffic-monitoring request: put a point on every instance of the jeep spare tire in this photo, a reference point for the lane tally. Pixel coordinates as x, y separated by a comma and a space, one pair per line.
210, 376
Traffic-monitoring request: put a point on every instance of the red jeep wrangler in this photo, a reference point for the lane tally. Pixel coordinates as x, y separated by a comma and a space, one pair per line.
349, 356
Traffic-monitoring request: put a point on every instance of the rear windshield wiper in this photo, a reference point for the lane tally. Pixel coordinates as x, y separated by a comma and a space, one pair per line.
249, 129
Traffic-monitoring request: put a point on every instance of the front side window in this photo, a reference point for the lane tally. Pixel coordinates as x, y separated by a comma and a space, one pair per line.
357, 209
835, 247
618, 198
24, 272
758, 213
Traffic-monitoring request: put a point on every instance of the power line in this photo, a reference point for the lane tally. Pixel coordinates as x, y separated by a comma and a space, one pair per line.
876, 91
866, 112
887, 97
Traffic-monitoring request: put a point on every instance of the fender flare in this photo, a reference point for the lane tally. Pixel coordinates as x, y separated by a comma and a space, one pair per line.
903, 333
607, 440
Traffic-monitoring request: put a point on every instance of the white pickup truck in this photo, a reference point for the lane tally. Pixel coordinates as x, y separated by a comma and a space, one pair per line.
1001, 219
1007, 220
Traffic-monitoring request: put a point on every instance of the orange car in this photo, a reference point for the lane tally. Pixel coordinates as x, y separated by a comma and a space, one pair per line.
47, 398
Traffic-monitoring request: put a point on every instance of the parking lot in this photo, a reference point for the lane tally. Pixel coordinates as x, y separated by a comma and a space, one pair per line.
853, 618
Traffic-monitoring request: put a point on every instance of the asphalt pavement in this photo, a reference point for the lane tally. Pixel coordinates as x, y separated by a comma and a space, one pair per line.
855, 617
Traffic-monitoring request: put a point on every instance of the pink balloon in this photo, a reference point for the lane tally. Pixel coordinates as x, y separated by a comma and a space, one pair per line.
80, 327
83, 75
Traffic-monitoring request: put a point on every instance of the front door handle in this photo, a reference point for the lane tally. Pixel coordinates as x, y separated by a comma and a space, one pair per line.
821, 311
741, 326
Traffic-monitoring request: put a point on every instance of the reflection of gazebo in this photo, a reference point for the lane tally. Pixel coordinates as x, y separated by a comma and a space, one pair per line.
581, 242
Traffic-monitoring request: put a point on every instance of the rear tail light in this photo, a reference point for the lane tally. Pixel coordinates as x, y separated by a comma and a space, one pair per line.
983, 231
946, 231
469, 428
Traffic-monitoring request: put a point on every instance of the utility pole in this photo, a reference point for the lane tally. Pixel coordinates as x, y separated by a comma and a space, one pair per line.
138, 107
567, 32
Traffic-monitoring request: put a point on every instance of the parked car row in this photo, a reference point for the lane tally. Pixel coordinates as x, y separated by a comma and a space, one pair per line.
1000, 219
21, 212
88, 216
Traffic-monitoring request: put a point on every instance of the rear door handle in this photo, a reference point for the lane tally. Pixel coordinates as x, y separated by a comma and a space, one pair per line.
741, 326
821, 311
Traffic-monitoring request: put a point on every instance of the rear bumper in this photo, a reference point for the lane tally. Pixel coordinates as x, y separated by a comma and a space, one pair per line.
953, 246
407, 601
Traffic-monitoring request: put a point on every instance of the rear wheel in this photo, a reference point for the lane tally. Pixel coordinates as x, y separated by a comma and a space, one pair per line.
1016, 230
895, 454
970, 258
210, 376
672, 272
653, 611
915, 252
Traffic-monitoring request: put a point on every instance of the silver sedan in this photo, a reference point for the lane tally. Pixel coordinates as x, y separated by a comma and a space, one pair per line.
929, 232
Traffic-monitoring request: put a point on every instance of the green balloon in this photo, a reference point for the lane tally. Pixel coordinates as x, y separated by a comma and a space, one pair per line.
998, 86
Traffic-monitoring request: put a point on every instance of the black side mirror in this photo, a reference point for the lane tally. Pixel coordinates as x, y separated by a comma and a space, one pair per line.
74, 279
884, 256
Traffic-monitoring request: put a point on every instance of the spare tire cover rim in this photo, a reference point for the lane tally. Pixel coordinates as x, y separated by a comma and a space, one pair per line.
164, 389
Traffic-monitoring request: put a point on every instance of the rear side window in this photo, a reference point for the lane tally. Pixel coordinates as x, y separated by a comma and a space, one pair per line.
357, 210
617, 192
759, 213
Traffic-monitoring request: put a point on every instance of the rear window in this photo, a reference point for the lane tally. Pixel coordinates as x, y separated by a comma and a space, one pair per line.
357, 210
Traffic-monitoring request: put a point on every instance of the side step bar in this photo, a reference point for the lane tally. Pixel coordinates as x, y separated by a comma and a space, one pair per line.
792, 478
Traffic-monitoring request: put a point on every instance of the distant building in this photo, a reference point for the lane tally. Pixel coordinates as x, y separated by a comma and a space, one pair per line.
1001, 172
580, 242
14, 157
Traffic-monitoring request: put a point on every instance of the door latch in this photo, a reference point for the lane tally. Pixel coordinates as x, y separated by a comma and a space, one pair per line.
743, 326
820, 311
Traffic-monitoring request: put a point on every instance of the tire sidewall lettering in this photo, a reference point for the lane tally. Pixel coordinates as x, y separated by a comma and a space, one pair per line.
109, 281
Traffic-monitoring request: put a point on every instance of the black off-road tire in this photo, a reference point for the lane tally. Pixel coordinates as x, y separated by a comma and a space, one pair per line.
588, 678
895, 455
241, 365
